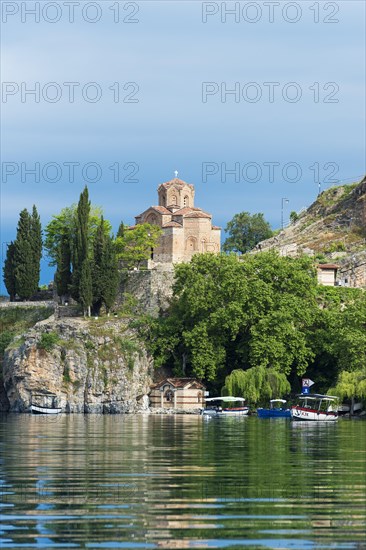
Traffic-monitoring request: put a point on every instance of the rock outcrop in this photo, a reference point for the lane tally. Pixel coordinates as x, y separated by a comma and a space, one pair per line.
332, 229
93, 366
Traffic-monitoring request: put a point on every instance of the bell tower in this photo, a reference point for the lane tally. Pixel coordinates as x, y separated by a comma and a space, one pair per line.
176, 194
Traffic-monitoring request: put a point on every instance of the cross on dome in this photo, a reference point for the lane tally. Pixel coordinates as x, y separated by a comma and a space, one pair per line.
176, 173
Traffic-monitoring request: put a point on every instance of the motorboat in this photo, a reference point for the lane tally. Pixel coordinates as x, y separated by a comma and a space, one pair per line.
316, 407
276, 409
45, 404
225, 406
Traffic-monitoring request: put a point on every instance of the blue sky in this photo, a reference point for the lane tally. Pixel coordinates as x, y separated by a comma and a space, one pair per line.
170, 118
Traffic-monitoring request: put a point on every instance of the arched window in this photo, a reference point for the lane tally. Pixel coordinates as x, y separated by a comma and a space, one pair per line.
169, 395
191, 244
186, 201
174, 200
152, 219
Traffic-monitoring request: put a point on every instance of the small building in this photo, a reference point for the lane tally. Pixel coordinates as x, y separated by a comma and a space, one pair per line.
327, 274
177, 393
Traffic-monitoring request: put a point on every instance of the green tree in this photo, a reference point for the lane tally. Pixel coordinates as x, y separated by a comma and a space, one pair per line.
294, 216
245, 231
121, 230
65, 223
110, 275
105, 272
25, 266
256, 384
137, 244
9, 271
80, 250
63, 273
36, 242
85, 287
235, 313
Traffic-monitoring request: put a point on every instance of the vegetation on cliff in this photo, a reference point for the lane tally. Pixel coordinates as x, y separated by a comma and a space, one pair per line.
259, 312
245, 231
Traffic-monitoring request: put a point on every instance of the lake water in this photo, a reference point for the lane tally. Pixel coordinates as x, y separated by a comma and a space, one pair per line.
96, 482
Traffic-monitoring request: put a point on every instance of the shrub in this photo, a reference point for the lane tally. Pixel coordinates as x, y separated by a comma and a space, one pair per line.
48, 341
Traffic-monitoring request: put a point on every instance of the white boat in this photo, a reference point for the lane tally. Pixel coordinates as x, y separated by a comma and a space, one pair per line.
45, 404
315, 407
217, 406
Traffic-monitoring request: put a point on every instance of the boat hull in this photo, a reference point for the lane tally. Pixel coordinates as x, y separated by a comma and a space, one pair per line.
306, 414
240, 411
37, 409
274, 413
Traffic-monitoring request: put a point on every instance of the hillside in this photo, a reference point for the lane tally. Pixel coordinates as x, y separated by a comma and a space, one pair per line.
332, 229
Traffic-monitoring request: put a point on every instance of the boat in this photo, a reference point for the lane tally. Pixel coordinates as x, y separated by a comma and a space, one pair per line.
45, 404
276, 410
316, 407
218, 406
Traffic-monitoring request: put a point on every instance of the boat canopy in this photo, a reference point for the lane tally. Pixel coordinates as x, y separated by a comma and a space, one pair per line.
226, 398
278, 401
317, 396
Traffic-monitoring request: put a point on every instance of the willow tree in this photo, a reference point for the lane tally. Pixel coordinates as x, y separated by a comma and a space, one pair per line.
350, 385
256, 384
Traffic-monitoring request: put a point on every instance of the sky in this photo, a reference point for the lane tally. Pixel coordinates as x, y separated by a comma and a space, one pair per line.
252, 102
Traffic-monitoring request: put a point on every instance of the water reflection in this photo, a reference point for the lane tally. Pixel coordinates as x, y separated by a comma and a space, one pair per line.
181, 482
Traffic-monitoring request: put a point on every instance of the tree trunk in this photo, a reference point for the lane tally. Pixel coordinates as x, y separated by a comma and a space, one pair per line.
352, 405
184, 363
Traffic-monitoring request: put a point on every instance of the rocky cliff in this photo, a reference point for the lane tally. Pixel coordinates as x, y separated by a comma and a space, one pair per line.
332, 229
93, 366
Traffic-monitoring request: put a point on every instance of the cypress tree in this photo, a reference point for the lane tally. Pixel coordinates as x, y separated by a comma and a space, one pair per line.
81, 244
105, 270
9, 271
63, 273
99, 246
85, 287
109, 278
121, 230
25, 269
36, 242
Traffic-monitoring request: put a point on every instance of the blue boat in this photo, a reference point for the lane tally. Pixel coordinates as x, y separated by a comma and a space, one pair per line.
276, 410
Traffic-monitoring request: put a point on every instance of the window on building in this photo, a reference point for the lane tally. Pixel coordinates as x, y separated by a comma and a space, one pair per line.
186, 201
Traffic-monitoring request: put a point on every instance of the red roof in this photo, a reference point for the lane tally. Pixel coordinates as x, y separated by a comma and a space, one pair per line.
172, 224
328, 266
200, 214
175, 181
216, 227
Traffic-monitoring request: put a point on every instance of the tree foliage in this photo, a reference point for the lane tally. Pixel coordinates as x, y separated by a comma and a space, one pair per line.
256, 384
136, 245
64, 223
245, 231
230, 313
9, 271
26, 254
63, 273
105, 270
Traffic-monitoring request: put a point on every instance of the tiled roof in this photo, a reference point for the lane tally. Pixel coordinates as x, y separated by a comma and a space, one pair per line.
160, 209
200, 214
172, 224
180, 383
216, 227
175, 181
328, 266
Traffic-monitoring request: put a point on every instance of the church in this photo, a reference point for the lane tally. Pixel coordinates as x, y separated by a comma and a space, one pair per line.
186, 229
